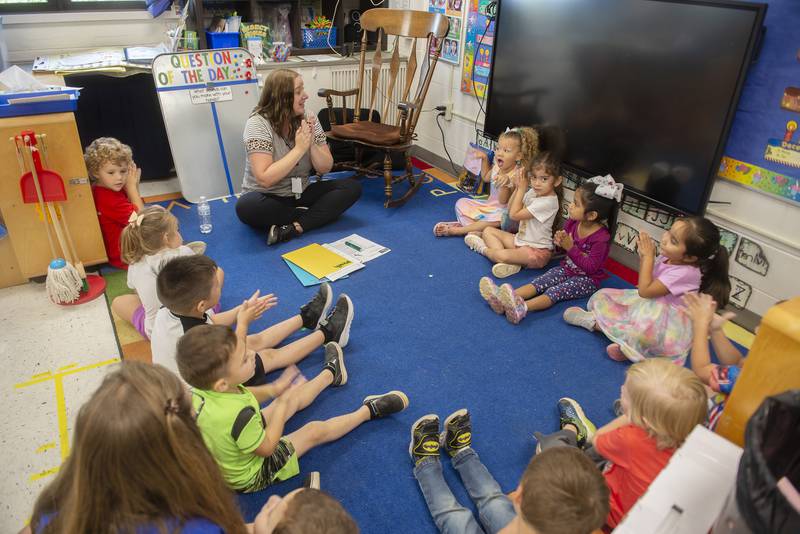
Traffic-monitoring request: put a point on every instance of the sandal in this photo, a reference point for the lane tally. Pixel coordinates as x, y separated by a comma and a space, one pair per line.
442, 229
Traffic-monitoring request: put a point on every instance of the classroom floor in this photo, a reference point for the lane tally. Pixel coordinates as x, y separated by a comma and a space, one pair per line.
420, 326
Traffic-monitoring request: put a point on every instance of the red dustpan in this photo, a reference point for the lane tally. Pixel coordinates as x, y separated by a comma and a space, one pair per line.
51, 182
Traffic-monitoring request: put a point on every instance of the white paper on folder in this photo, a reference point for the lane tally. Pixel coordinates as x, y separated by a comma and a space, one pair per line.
363, 250
354, 266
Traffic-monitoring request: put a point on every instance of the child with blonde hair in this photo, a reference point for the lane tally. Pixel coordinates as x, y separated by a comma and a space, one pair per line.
586, 238
150, 239
535, 205
516, 149
661, 405
115, 188
651, 321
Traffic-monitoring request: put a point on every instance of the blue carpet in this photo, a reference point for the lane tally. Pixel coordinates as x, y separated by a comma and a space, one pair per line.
420, 326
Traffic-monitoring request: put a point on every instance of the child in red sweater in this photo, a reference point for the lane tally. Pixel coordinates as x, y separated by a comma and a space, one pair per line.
661, 403
115, 188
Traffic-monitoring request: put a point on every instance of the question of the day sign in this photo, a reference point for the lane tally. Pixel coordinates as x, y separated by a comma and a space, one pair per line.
204, 67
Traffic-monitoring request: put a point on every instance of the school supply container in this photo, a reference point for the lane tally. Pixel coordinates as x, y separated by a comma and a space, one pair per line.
222, 39
318, 37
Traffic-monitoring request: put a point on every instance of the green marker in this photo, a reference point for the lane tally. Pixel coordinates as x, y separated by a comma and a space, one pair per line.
351, 245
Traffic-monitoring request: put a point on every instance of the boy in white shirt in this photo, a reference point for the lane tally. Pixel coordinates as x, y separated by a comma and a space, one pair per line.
190, 286
536, 209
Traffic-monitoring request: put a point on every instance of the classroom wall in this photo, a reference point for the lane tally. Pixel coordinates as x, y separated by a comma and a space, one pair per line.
762, 230
31, 35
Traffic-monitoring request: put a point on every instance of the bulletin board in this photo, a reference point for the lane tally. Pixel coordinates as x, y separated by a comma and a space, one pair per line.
453, 9
763, 150
477, 49
206, 97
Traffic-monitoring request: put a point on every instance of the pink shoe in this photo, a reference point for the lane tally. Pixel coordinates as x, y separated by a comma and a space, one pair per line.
615, 353
488, 291
513, 304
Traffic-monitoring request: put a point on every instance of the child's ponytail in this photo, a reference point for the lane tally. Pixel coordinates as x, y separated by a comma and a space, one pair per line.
703, 241
145, 232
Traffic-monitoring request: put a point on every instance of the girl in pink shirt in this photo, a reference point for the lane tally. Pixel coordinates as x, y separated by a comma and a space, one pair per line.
651, 321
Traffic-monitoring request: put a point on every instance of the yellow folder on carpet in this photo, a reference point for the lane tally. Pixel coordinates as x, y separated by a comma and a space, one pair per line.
317, 260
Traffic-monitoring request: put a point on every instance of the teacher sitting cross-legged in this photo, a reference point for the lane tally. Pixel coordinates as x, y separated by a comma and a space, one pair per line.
283, 149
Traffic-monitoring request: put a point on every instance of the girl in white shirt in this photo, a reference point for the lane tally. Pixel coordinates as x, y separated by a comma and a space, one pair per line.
535, 205
150, 240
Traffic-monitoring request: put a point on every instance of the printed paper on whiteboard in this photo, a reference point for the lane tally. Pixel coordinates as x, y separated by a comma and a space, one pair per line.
207, 95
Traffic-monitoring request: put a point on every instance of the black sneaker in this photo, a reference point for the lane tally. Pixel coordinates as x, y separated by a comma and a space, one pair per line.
458, 432
334, 362
336, 326
312, 480
386, 404
315, 309
571, 413
279, 234
424, 438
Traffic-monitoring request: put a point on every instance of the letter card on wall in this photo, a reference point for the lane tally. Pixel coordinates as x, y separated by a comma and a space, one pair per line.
206, 97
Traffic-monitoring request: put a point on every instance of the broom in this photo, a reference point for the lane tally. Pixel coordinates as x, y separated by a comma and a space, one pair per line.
63, 282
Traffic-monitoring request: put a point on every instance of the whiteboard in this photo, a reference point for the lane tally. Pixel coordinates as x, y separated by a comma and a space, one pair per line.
206, 97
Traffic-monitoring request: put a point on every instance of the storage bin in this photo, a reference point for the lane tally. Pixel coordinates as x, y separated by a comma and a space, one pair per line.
318, 37
222, 39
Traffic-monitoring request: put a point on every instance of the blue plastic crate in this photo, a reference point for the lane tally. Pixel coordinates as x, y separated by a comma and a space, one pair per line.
318, 38
222, 39
38, 108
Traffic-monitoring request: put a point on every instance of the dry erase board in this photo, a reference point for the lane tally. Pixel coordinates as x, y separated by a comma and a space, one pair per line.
206, 97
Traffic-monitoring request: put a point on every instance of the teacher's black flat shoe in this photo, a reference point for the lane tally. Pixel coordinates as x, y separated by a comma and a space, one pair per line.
279, 234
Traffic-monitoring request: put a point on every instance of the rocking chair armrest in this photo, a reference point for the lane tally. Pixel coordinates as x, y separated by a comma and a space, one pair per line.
325, 93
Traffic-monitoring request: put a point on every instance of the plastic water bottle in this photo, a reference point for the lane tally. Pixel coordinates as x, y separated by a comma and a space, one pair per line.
204, 211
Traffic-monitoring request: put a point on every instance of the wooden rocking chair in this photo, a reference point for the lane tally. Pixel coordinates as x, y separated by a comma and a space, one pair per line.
396, 132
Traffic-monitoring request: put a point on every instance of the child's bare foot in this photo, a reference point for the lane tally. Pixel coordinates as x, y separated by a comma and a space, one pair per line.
513, 305
444, 229
615, 353
488, 291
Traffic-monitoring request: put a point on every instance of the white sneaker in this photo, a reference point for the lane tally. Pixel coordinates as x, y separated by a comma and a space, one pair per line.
198, 247
579, 317
504, 270
475, 242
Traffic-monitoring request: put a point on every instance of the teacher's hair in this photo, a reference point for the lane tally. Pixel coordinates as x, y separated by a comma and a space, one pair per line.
276, 103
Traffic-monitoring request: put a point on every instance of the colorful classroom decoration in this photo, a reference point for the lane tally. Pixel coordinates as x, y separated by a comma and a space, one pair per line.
761, 179
453, 9
206, 97
763, 150
477, 49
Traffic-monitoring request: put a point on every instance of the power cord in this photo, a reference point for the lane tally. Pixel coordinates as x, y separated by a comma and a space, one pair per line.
439, 115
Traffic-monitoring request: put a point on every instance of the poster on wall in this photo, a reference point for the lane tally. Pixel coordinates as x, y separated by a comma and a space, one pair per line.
451, 48
763, 149
478, 42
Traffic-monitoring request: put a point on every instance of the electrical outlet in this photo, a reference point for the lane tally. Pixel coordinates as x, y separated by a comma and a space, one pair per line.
448, 111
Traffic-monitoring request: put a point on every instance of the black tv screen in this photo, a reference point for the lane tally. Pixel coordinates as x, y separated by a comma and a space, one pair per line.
642, 89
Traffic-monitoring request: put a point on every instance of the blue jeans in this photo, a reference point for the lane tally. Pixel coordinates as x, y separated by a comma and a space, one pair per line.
494, 507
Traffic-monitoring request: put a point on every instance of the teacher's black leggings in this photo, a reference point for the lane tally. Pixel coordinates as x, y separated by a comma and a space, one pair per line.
320, 203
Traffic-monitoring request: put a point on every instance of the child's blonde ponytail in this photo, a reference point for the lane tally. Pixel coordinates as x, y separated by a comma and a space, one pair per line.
145, 233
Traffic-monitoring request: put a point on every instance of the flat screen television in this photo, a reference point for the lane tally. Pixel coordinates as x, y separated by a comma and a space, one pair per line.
642, 89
